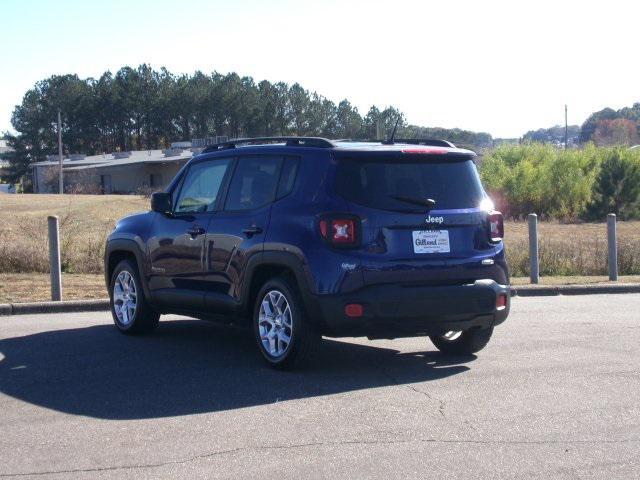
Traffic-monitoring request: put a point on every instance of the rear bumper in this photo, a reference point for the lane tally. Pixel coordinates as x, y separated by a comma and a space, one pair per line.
393, 311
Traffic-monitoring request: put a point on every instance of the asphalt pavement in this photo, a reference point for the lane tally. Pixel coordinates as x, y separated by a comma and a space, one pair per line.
556, 394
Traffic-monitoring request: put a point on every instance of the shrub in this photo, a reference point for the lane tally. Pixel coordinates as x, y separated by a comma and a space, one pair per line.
617, 186
540, 178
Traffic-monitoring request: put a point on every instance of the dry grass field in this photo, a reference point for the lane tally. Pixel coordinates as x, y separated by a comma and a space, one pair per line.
36, 287
85, 220
573, 249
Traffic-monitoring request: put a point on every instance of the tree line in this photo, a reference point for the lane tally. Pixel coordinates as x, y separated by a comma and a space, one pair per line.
554, 135
613, 127
607, 127
143, 108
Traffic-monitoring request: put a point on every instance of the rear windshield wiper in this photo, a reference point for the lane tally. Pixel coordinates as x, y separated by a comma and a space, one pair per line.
423, 202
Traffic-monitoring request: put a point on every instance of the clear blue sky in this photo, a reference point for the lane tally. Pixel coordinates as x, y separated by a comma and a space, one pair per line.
498, 66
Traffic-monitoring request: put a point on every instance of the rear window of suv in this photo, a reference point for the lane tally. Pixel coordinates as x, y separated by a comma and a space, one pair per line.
374, 182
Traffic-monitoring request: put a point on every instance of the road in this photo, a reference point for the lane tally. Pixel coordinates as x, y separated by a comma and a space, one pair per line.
556, 394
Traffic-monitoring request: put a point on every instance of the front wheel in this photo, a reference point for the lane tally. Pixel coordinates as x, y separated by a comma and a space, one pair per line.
283, 334
462, 342
129, 308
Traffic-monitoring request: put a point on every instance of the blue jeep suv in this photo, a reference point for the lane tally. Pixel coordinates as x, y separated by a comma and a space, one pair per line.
299, 237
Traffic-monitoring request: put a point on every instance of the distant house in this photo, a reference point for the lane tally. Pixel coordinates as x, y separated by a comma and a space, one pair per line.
117, 172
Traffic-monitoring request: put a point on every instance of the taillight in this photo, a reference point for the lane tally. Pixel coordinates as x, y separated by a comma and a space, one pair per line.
425, 151
340, 231
496, 226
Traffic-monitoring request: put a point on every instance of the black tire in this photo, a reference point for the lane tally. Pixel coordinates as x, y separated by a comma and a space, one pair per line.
144, 318
303, 338
469, 342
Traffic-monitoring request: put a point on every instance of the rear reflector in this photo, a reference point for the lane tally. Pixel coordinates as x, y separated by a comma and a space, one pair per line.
353, 310
340, 231
501, 301
343, 231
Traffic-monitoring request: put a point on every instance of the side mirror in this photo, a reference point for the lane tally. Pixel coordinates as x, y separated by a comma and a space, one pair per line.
161, 202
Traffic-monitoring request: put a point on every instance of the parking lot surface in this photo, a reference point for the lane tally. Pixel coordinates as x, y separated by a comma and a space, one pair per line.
556, 394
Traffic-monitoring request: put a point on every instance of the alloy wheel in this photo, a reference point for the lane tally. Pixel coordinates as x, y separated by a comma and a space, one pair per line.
125, 297
275, 324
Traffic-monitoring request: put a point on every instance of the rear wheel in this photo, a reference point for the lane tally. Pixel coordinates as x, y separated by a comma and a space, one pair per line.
284, 337
129, 308
462, 342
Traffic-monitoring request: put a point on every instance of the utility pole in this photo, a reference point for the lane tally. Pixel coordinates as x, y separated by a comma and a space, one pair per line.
566, 127
61, 181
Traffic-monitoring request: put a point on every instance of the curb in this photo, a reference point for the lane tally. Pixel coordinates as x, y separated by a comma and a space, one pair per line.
519, 291
54, 307
541, 291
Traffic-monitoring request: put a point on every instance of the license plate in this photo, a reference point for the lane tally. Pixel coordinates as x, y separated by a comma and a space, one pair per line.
431, 241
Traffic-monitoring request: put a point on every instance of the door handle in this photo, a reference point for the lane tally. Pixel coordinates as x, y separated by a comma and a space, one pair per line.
195, 231
251, 231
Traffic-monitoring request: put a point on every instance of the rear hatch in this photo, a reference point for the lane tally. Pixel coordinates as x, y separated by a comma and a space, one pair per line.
424, 221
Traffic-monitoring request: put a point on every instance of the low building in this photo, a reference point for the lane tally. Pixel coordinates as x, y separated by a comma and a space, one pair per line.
118, 172
139, 171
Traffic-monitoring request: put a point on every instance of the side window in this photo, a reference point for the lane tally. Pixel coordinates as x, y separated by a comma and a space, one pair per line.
288, 176
201, 186
254, 182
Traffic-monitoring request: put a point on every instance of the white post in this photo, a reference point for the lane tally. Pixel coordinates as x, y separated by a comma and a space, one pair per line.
613, 247
54, 259
533, 248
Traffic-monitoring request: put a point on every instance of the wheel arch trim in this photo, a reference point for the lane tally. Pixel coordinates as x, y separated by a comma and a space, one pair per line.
130, 246
278, 259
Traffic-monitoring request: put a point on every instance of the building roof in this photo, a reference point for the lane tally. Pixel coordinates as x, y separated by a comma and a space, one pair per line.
112, 160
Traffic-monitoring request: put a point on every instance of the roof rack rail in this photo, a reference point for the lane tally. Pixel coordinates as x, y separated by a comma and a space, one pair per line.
425, 141
289, 141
